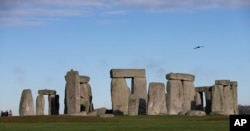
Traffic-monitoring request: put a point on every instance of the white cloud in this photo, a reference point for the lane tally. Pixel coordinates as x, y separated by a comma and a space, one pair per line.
31, 9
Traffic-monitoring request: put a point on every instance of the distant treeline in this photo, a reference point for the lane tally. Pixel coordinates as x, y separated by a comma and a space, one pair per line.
244, 109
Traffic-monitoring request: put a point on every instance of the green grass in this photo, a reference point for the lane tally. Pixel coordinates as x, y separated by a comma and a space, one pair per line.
128, 123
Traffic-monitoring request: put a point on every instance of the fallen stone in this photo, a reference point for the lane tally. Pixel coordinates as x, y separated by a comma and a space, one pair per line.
180, 76
156, 99
100, 111
26, 106
83, 113
222, 82
93, 113
127, 73
196, 113
107, 115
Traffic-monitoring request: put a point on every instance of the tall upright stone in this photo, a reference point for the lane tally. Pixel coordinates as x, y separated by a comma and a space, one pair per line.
54, 104
218, 98
26, 106
199, 101
120, 96
188, 96
139, 89
208, 97
133, 105
40, 103
85, 97
228, 100
156, 99
72, 92
234, 85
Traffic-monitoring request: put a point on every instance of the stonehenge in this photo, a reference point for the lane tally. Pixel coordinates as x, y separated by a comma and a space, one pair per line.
178, 97
78, 95
120, 92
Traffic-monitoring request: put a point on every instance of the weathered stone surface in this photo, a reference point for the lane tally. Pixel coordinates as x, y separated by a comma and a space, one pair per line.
120, 96
40, 103
196, 113
93, 113
46, 92
83, 113
234, 85
139, 89
72, 92
174, 96
133, 105
107, 115
188, 96
218, 98
100, 111
156, 99
208, 97
54, 104
180, 76
84, 79
222, 82
228, 101
202, 88
85, 97
26, 106
127, 73
199, 101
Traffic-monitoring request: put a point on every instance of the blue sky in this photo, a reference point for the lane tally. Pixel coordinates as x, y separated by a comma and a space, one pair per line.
40, 40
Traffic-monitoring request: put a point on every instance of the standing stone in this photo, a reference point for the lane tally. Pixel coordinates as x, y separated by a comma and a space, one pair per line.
174, 96
72, 92
139, 89
156, 99
54, 104
234, 85
208, 96
217, 98
199, 101
120, 96
26, 106
228, 101
133, 105
188, 96
40, 102
85, 97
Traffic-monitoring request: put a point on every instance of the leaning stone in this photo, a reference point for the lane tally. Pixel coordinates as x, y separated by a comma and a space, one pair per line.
120, 96
139, 89
84, 79
40, 103
26, 106
222, 82
133, 105
180, 76
156, 99
174, 96
100, 111
127, 73
196, 113
188, 96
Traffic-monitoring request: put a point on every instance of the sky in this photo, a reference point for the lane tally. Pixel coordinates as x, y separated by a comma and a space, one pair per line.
40, 40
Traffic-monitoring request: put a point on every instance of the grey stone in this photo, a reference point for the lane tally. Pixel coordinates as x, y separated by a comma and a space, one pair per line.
156, 99
199, 101
222, 82
208, 97
72, 92
54, 104
120, 96
46, 92
234, 87
196, 113
85, 97
93, 113
83, 113
202, 88
133, 105
26, 106
84, 79
139, 89
107, 115
188, 96
100, 111
40, 103
228, 100
174, 96
180, 76
127, 73
218, 98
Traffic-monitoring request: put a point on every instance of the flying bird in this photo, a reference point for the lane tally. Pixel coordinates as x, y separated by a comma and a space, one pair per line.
197, 47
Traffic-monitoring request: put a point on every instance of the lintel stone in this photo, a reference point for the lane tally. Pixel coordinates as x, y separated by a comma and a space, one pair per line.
222, 82
127, 73
46, 92
202, 88
180, 76
84, 79
233, 83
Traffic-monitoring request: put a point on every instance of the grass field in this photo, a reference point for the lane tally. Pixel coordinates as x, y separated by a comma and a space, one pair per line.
128, 123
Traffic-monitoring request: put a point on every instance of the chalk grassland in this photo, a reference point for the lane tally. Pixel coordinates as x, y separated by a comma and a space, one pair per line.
128, 123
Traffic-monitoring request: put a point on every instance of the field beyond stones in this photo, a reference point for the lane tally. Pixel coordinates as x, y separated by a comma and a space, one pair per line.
75, 123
